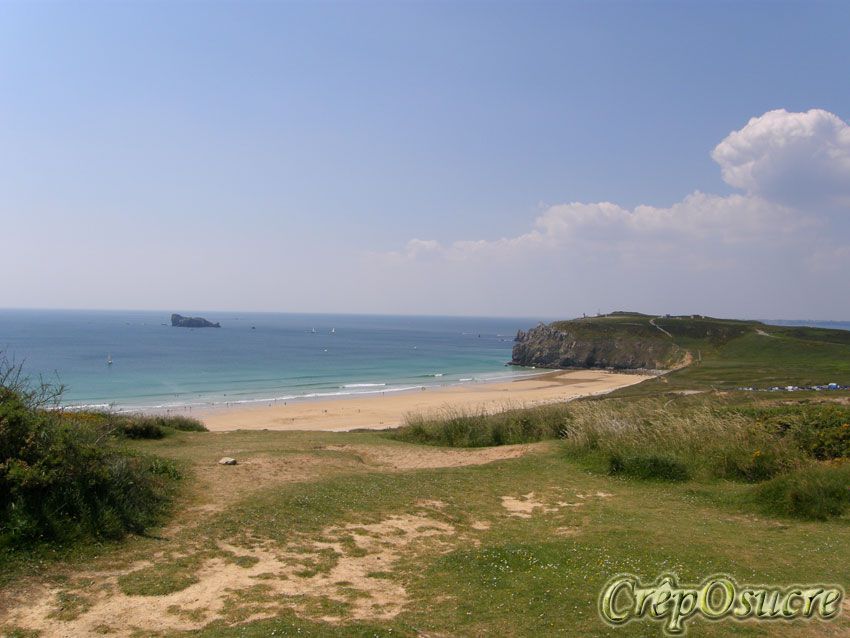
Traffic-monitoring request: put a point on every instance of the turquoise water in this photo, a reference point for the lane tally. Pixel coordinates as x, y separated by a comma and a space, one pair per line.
252, 357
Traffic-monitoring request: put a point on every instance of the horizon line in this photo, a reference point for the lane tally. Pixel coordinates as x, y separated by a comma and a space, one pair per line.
402, 314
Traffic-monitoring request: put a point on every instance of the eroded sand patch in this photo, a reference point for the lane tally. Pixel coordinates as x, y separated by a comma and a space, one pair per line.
350, 566
422, 457
524, 506
528, 505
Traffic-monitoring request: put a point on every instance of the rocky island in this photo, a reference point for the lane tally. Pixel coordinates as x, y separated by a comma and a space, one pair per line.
179, 321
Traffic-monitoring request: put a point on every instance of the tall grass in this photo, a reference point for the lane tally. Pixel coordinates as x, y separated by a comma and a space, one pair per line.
462, 428
778, 448
648, 437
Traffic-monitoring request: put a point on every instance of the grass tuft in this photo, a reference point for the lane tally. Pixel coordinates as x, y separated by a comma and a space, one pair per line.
648, 467
459, 428
818, 492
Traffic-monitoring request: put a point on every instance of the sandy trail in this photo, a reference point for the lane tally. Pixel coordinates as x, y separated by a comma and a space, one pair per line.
384, 411
237, 582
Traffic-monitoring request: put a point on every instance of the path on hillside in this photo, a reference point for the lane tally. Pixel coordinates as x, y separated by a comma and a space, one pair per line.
655, 325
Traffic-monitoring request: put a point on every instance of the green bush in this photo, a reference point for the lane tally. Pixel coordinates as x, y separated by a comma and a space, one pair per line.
817, 492
182, 423
136, 426
63, 477
453, 428
822, 430
141, 429
648, 467
758, 465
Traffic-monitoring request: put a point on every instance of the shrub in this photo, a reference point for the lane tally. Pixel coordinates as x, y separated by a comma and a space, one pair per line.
822, 430
63, 477
135, 426
816, 492
141, 429
648, 467
182, 423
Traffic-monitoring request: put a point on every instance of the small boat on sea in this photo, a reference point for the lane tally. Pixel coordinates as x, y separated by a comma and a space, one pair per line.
109, 359
333, 331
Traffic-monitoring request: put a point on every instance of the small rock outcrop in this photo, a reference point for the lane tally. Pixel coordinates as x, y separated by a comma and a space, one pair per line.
227, 460
179, 321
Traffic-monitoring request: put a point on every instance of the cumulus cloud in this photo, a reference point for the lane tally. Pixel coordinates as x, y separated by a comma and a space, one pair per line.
788, 223
779, 159
797, 158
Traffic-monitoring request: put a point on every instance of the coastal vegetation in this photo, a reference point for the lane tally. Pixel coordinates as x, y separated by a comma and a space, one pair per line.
699, 438
355, 534
459, 428
701, 352
67, 476
468, 523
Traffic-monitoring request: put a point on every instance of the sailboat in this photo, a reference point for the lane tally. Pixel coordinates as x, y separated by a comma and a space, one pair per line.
109, 359
313, 331
333, 331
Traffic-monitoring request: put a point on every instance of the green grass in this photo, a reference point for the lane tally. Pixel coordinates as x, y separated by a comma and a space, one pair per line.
519, 577
648, 466
726, 353
523, 578
817, 492
163, 578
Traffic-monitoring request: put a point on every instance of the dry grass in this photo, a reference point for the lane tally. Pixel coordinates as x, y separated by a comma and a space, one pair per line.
707, 440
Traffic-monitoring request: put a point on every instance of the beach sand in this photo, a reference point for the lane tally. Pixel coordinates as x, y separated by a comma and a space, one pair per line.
384, 411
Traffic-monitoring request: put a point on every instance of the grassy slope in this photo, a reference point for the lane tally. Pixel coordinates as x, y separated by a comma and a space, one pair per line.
522, 577
729, 353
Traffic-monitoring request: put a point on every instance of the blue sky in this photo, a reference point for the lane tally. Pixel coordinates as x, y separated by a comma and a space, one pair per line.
281, 156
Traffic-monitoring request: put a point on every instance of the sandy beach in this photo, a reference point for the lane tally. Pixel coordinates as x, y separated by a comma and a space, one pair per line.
384, 411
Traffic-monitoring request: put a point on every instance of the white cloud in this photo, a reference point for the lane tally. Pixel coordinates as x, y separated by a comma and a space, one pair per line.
610, 228
778, 159
753, 253
796, 158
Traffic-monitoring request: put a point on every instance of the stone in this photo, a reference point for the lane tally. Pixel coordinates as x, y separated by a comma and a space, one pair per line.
179, 321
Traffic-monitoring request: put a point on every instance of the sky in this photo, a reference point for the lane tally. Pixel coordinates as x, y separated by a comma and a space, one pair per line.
462, 158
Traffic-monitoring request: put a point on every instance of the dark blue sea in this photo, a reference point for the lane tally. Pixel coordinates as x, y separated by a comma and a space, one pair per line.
252, 357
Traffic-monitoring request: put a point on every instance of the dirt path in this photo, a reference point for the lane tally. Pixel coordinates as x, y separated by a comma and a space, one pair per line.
341, 573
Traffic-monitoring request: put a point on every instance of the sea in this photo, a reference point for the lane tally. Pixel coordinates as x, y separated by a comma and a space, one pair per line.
256, 358
253, 358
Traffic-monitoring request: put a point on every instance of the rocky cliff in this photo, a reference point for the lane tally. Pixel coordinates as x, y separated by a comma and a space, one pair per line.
179, 321
562, 345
